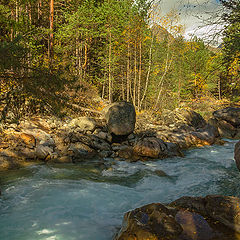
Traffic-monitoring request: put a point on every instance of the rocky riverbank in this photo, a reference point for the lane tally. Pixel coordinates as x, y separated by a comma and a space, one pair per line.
52, 140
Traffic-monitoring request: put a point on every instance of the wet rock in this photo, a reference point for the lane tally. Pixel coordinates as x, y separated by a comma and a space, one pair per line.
229, 114
224, 209
150, 147
237, 154
121, 118
187, 218
195, 227
153, 221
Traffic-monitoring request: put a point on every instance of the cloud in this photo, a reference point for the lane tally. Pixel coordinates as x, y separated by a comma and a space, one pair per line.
193, 15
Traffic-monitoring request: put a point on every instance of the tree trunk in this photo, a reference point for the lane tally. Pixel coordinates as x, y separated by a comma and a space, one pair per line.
110, 68
135, 76
84, 67
219, 88
50, 52
148, 72
139, 74
167, 66
128, 72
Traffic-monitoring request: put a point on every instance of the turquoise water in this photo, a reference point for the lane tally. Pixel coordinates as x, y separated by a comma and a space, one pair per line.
87, 201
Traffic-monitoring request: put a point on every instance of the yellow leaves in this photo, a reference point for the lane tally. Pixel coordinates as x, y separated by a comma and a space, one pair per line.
199, 82
193, 46
6, 86
234, 67
147, 38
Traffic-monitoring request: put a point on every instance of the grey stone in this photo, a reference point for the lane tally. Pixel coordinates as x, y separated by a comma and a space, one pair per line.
121, 118
84, 123
229, 114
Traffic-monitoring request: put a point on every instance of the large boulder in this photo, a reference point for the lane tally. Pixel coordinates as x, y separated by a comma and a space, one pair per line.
121, 118
195, 218
153, 221
225, 209
229, 114
237, 154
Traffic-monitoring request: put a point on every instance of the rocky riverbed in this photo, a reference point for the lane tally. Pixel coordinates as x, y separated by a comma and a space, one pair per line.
52, 140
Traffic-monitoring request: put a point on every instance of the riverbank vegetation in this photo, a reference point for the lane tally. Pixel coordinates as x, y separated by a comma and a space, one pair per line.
61, 56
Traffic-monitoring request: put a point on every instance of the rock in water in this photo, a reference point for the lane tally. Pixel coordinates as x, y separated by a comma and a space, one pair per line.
195, 227
187, 218
237, 154
153, 221
225, 209
121, 118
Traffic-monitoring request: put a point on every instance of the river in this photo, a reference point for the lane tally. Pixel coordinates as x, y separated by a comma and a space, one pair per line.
88, 201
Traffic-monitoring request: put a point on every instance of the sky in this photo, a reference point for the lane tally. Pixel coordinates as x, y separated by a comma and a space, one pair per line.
192, 13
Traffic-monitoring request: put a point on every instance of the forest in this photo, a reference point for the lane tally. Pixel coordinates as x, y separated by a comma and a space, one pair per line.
58, 54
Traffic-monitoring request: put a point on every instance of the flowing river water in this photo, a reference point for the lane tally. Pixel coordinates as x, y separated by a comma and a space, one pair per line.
88, 201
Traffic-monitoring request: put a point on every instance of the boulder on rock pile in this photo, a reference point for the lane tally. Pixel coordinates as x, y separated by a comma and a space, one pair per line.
121, 118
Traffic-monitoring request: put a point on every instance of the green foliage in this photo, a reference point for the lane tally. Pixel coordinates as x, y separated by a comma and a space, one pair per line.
231, 48
119, 49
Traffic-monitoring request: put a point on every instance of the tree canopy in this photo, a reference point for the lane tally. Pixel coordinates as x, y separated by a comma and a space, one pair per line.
64, 53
